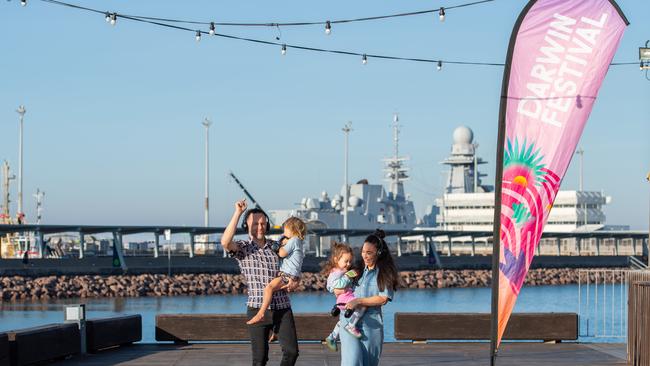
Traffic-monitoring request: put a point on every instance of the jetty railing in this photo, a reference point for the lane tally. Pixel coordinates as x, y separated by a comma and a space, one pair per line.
603, 301
638, 340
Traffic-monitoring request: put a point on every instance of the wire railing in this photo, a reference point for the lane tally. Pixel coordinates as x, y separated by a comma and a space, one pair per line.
603, 301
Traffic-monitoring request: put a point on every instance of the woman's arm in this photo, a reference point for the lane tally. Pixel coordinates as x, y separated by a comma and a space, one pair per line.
367, 301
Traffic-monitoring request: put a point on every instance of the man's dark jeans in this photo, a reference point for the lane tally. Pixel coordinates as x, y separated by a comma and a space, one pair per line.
282, 321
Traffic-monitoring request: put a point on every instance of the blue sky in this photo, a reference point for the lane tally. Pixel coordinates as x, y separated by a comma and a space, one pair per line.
113, 129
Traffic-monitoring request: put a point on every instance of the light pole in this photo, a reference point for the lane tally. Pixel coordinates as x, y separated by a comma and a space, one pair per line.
647, 178
581, 152
21, 111
206, 123
346, 129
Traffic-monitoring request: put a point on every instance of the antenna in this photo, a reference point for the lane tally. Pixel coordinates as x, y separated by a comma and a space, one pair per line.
39, 205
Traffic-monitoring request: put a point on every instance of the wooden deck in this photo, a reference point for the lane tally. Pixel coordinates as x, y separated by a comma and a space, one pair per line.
461, 354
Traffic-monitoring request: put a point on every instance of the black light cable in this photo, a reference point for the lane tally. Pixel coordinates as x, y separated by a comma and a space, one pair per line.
112, 17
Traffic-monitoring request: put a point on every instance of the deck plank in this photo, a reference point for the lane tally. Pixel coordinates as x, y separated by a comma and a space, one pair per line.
461, 354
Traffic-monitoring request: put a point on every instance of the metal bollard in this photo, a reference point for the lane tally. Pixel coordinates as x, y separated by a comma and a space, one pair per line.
77, 314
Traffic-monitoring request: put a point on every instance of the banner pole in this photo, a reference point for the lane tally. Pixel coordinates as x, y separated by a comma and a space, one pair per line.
498, 182
496, 236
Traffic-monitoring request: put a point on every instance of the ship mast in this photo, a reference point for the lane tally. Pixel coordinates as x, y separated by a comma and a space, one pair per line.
396, 171
5, 192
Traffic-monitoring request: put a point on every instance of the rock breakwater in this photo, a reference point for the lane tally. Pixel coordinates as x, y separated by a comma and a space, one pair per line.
16, 288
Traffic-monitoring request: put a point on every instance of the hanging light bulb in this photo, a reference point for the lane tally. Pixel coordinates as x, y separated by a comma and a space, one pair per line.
107, 17
212, 29
198, 36
364, 59
284, 49
439, 65
441, 14
113, 18
23, 2
328, 27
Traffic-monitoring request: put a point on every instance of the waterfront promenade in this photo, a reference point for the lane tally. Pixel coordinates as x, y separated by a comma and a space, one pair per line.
456, 354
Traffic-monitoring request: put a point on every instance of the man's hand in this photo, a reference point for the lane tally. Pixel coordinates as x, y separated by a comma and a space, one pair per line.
292, 285
240, 206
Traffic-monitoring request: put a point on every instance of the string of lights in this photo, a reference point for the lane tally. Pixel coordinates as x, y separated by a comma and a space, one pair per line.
441, 11
112, 18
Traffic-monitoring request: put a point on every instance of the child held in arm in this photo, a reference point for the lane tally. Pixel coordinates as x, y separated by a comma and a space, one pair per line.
340, 280
291, 253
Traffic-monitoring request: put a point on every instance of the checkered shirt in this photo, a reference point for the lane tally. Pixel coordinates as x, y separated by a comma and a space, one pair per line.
259, 266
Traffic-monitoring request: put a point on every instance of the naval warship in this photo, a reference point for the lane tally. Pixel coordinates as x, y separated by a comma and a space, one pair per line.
370, 206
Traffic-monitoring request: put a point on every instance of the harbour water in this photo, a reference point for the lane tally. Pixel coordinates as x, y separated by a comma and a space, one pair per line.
15, 315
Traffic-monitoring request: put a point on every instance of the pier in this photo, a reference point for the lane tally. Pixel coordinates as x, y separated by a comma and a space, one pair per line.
422, 339
394, 354
425, 241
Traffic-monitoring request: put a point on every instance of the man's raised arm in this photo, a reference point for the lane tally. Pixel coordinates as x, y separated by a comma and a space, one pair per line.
229, 233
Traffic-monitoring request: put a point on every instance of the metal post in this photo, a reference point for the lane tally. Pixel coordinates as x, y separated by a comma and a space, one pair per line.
41, 244
156, 245
473, 247
191, 254
559, 246
449, 247
81, 244
399, 246
168, 237
21, 111
346, 195
647, 178
117, 243
206, 122
580, 152
425, 246
475, 170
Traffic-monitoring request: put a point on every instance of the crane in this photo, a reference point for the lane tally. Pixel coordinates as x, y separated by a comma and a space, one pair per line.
250, 197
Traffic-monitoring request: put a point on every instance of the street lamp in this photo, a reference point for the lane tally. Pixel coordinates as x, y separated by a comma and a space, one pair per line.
346, 195
21, 112
206, 123
644, 56
581, 152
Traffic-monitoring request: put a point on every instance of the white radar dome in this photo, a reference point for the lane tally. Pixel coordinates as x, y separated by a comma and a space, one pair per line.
463, 135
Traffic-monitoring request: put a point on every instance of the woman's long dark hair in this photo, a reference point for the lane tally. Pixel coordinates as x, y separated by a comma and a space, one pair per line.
388, 275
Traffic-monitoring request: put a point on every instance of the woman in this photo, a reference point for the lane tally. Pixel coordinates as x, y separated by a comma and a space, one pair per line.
375, 288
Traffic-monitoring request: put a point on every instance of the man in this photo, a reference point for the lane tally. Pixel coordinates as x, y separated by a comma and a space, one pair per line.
260, 265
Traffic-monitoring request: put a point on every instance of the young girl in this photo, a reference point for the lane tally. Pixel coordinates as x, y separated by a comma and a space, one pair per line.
340, 277
292, 254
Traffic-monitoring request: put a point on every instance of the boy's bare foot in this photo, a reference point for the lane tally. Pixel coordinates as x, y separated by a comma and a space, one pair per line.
273, 337
256, 319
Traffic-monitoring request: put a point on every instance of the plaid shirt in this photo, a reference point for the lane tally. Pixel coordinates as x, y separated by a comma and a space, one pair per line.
260, 266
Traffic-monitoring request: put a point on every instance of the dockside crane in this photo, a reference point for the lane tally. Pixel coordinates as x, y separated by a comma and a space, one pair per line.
248, 195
